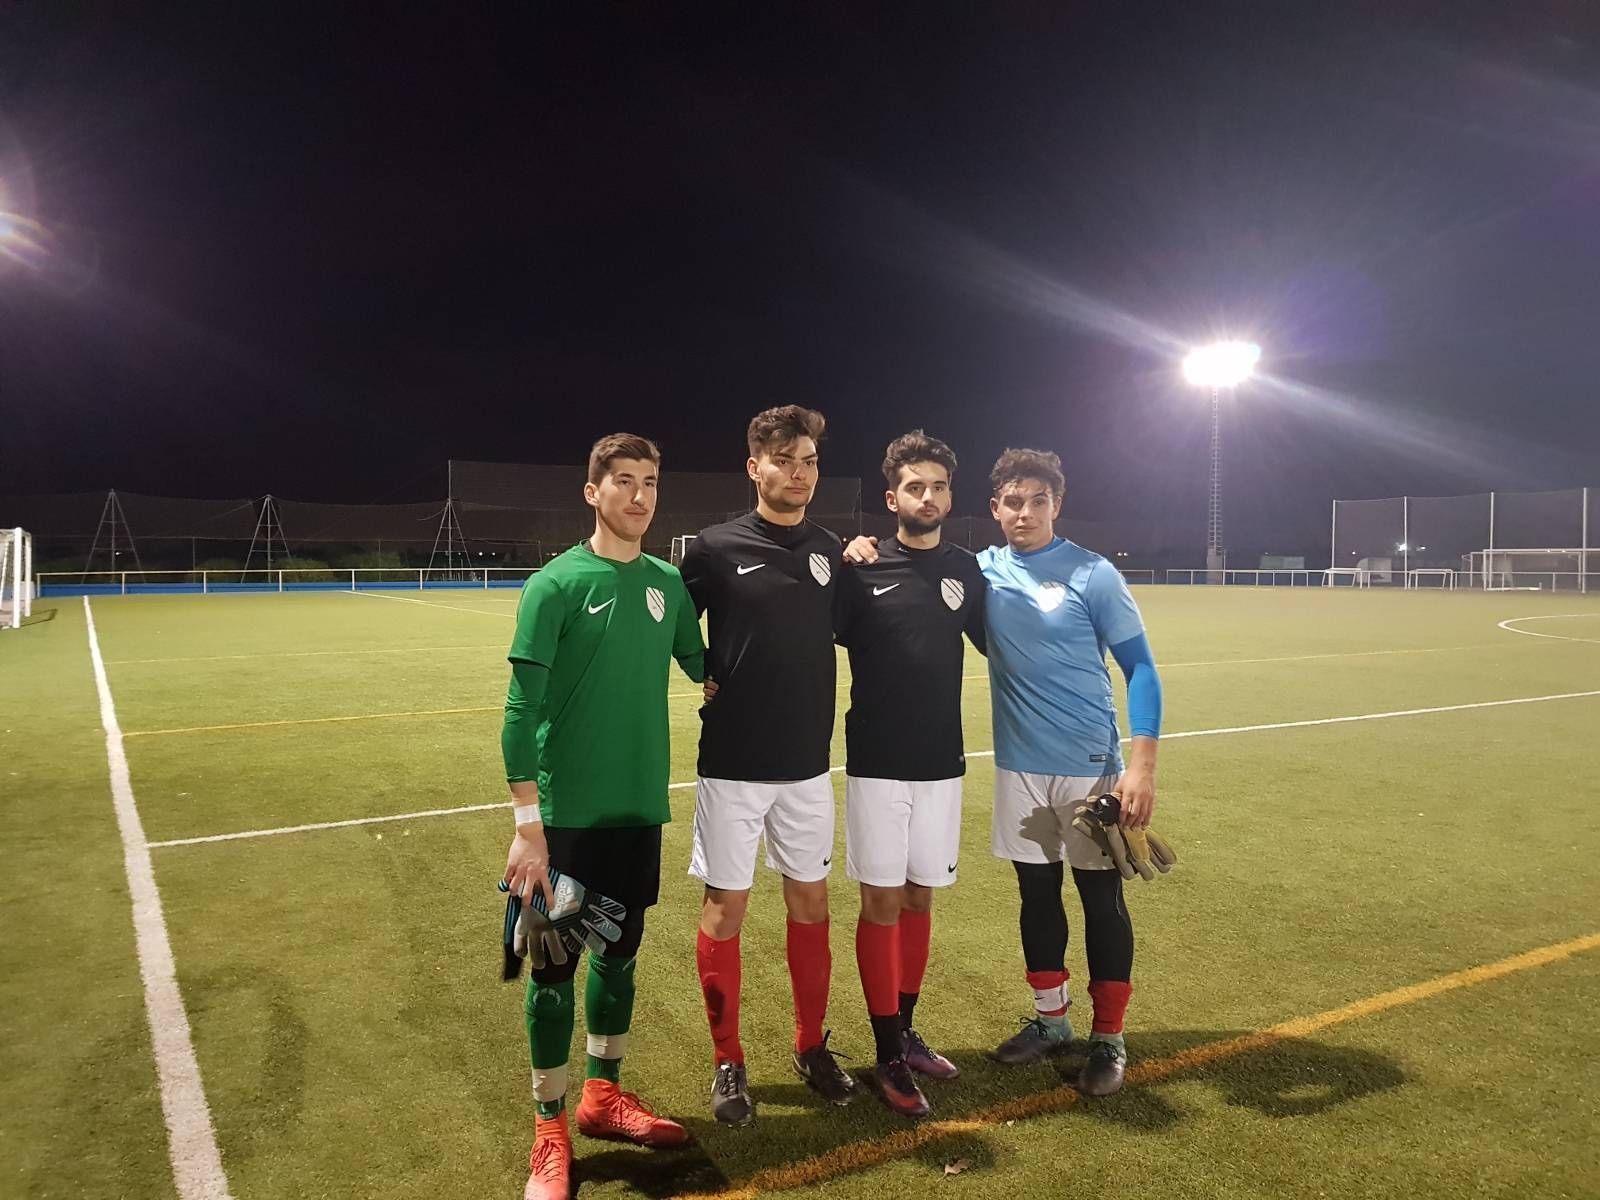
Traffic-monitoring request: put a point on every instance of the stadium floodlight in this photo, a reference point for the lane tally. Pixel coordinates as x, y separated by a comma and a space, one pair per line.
1219, 366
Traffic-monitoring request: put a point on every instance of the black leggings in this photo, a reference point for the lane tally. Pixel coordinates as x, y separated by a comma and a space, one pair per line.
625, 946
1107, 928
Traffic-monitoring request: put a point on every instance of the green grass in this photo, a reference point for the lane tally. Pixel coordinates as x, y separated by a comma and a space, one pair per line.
355, 1041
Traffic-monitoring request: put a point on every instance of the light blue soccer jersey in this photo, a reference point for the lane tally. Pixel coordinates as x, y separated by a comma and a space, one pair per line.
1050, 615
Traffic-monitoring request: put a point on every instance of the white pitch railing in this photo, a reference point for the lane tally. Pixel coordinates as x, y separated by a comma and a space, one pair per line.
1243, 578
288, 579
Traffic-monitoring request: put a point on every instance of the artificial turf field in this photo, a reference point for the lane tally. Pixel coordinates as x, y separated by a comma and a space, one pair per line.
354, 1040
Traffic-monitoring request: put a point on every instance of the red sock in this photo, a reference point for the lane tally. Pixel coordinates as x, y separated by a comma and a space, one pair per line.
719, 982
878, 959
1050, 992
1110, 998
810, 965
916, 929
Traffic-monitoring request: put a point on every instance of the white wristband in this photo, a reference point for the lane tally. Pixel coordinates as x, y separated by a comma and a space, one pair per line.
527, 814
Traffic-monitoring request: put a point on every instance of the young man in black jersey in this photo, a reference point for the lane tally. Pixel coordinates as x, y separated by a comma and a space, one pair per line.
902, 619
768, 581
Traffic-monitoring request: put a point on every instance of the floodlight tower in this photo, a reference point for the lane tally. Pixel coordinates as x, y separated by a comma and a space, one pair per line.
1218, 368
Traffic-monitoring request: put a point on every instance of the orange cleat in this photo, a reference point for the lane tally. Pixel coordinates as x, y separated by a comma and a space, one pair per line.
606, 1111
550, 1163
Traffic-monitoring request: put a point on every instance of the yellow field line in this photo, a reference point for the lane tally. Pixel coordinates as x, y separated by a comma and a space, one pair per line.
129, 662
425, 712
874, 1151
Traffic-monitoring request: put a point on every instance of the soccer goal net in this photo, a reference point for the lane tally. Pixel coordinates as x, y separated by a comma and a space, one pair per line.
16, 577
679, 545
1431, 577
1531, 570
1347, 577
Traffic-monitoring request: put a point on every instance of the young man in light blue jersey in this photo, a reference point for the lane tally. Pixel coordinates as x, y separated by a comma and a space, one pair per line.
1053, 609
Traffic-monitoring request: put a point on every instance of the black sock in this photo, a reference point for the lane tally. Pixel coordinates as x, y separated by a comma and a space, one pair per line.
908, 1008
1107, 928
886, 1033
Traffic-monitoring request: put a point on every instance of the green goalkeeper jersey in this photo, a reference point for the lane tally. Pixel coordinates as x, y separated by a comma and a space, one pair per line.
607, 631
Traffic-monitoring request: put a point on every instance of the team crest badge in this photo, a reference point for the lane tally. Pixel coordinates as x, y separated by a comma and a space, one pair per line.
656, 602
953, 593
820, 570
1051, 595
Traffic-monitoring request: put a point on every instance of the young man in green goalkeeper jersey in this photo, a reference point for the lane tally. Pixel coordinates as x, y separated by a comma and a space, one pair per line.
586, 751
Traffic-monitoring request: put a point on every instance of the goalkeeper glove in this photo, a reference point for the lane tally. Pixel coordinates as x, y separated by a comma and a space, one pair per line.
528, 934
579, 920
584, 919
1140, 852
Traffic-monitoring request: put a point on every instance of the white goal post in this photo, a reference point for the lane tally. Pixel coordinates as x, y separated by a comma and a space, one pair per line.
1441, 577
17, 588
1528, 569
1357, 576
679, 545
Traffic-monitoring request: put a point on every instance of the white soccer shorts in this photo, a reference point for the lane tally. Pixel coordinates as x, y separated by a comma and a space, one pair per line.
897, 831
732, 815
1033, 818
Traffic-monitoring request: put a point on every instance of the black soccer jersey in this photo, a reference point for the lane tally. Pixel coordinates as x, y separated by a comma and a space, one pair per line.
770, 593
902, 619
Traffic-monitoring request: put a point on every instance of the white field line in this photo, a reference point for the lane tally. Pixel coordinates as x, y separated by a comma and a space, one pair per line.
426, 604
1220, 662
1510, 624
696, 695
255, 833
191, 1140
1236, 662
131, 662
673, 787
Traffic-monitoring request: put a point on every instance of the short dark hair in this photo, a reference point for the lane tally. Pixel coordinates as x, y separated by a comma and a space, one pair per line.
783, 426
915, 447
1015, 465
620, 445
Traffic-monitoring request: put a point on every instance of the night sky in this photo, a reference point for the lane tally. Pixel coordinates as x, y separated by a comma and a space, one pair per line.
318, 255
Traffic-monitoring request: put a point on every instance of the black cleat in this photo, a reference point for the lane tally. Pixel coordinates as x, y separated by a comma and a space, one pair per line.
730, 1096
1102, 1074
820, 1068
1033, 1043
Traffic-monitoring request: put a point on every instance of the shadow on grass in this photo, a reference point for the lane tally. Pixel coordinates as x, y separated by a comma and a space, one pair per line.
655, 1173
38, 617
1289, 1078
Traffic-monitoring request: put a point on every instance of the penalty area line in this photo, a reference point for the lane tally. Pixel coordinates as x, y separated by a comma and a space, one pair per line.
425, 712
499, 616
191, 1138
971, 754
872, 1152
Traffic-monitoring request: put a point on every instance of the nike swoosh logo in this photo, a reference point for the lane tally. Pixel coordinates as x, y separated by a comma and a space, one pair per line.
594, 608
828, 860
747, 570
951, 868
877, 591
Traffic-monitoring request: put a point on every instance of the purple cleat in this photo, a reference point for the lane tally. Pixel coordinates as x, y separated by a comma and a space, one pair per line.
925, 1061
